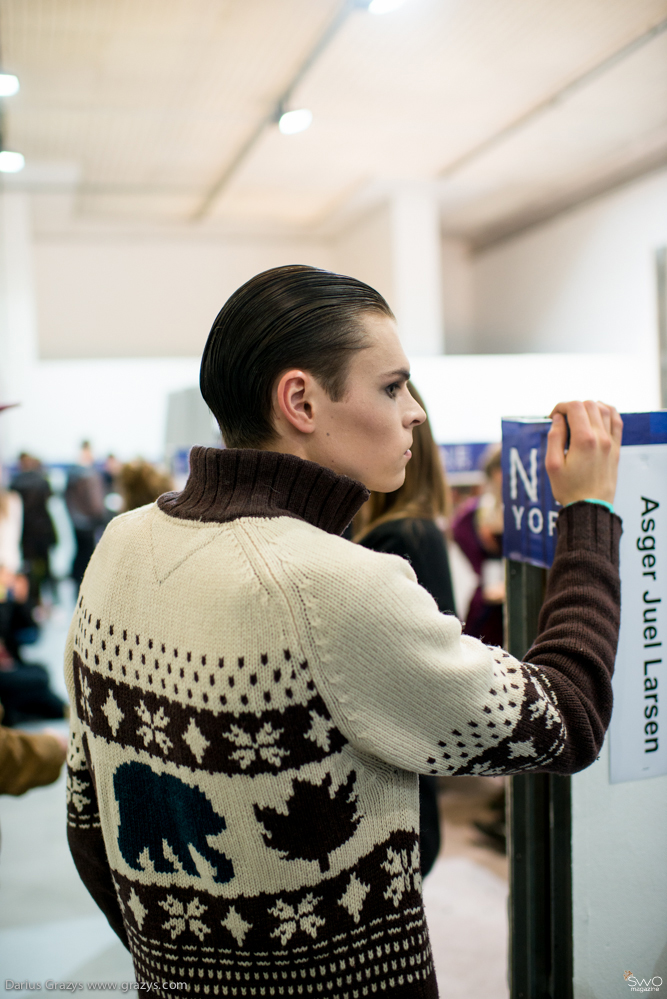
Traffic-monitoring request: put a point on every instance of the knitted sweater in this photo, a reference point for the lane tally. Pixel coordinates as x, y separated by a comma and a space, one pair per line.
252, 699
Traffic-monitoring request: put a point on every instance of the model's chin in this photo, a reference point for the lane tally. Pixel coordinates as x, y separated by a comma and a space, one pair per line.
387, 484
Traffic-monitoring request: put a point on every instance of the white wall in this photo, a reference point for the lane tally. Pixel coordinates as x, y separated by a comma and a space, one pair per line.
133, 297
467, 396
120, 405
458, 302
619, 881
584, 281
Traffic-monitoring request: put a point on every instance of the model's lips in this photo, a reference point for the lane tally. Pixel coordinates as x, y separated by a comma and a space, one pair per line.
407, 454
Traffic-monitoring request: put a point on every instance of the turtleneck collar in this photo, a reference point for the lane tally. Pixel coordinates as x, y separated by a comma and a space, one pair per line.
230, 483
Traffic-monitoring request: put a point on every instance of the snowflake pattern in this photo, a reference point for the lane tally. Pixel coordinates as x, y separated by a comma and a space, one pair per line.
85, 697
543, 708
75, 789
525, 748
153, 726
183, 917
302, 918
404, 871
319, 730
262, 745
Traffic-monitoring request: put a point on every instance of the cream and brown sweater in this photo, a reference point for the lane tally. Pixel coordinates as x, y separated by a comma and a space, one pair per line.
253, 697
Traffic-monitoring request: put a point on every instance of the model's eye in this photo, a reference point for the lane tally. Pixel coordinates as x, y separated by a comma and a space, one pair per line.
392, 389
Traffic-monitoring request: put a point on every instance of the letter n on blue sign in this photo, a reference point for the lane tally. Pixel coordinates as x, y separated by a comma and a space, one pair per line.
530, 509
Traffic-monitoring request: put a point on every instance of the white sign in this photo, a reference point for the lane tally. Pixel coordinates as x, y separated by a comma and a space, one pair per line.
638, 730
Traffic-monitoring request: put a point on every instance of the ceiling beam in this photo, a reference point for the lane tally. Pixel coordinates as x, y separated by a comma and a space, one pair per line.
553, 100
540, 212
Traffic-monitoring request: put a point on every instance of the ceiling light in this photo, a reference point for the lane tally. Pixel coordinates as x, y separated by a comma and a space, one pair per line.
9, 84
384, 6
291, 122
11, 162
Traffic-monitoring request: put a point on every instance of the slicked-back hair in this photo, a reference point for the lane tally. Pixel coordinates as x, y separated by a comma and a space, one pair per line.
287, 317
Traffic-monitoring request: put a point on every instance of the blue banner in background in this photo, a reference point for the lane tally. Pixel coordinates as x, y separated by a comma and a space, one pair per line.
530, 509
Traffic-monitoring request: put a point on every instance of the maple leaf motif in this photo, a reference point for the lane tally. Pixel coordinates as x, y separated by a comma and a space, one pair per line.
316, 823
183, 918
304, 918
404, 872
75, 796
262, 745
152, 727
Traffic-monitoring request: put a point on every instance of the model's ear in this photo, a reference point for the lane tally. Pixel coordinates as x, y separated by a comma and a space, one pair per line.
294, 393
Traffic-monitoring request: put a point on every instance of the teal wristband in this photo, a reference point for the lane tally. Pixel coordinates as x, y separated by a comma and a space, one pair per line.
601, 503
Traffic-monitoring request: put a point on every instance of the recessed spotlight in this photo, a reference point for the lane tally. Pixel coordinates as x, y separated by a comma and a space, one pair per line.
384, 6
9, 84
11, 162
291, 122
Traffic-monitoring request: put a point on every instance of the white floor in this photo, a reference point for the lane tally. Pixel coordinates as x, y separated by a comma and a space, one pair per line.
50, 929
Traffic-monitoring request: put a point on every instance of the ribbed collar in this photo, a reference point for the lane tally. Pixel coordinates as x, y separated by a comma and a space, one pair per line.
227, 484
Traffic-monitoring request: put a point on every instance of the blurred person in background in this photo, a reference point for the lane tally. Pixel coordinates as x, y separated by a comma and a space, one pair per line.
29, 760
477, 528
141, 483
39, 533
26, 760
112, 467
25, 693
407, 522
84, 498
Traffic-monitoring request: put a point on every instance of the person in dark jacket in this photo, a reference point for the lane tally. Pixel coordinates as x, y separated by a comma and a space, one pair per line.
84, 498
39, 534
405, 523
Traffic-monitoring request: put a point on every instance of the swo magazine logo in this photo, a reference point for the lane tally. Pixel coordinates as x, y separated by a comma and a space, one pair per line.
642, 984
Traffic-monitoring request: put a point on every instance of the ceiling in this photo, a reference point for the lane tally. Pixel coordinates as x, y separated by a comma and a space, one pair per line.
512, 109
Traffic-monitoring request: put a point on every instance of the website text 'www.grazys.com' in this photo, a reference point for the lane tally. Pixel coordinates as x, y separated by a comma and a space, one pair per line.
51, 986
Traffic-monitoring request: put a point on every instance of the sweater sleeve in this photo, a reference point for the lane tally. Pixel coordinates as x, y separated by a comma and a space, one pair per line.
84, 832
404, 685
421, 542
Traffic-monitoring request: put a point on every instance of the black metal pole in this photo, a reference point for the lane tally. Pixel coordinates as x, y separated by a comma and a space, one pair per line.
540, 958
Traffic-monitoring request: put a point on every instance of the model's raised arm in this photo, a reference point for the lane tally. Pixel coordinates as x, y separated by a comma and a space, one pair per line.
403, 684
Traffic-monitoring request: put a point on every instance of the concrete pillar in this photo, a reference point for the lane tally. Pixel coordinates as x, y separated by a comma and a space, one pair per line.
417, 268
18, 320
458, 296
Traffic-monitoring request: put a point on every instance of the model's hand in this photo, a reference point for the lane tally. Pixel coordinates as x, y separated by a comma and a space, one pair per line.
590, 467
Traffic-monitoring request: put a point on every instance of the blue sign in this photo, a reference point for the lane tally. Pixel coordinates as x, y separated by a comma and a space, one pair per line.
462, 457
530, 508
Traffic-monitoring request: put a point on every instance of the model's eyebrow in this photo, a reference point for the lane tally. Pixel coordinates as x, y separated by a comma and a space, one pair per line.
400, 373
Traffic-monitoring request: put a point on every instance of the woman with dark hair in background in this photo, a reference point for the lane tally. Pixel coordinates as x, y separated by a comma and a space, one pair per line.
405, 523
